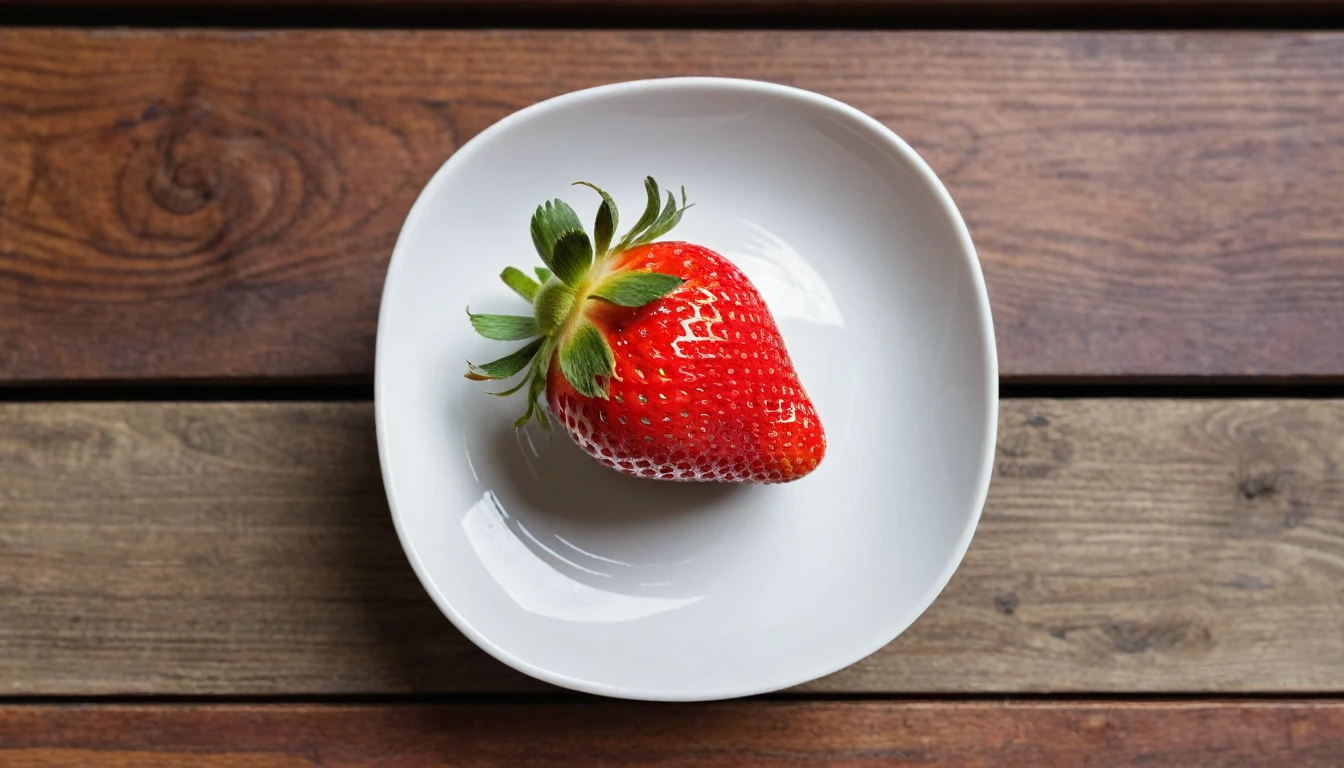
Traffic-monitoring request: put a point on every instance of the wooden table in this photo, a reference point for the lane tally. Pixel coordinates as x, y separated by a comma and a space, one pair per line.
197, 565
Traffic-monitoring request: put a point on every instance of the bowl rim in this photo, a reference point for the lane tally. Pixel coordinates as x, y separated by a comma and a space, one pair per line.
933, 186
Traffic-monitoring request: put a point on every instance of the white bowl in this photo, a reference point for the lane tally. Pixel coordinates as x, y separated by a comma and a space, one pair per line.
646, 589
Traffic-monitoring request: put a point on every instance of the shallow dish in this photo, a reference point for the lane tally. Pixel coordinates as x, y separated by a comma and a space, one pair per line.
588, 579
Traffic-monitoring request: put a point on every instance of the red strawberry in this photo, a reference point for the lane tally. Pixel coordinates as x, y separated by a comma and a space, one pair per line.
669, 366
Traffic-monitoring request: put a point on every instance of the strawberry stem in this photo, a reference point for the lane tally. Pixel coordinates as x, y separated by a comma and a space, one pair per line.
578, 272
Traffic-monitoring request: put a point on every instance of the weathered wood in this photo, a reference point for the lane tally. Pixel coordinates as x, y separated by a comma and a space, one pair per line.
821, 12
222, 204
965, 735
1127, 545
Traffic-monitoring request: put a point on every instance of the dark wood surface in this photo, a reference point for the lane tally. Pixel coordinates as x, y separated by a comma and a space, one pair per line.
1127, 546
955, 735
222, 205
590, 12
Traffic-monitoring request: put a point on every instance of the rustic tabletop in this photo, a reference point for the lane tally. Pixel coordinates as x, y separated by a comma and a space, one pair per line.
197, 563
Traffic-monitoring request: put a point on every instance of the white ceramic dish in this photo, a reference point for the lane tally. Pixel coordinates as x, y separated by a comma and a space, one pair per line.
643, 589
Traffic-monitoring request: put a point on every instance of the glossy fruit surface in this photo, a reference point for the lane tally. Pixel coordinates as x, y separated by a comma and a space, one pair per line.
703, 388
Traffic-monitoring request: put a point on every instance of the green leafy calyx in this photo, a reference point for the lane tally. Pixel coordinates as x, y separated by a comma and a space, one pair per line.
634, 288
580, 275
507, 366
586, 360
553, 305
520, 283
504, 327
607, 217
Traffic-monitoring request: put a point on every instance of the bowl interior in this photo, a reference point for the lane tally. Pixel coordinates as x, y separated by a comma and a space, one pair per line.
590, 579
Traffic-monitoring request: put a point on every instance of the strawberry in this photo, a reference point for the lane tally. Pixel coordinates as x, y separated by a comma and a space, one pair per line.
660, 359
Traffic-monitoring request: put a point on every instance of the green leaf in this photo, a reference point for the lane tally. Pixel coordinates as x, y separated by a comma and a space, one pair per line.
520, 283
531, 405
584, 357
607, 218
666, 223
666, 215
650, 213
504, 327
669, 218
635, 289
534, 393
537, 387
543, 274
572, 256
552, 220
521, 383
509, 365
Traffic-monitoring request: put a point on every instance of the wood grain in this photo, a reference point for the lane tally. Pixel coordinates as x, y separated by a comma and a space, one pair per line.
966, 735
821, 12
210, 204
1127, 546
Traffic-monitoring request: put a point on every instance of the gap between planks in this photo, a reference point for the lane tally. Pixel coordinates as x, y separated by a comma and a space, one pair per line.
300, 391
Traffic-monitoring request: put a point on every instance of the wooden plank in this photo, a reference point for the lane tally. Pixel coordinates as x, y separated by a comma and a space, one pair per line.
955, 735
222, 204
1128, 546
821, 11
